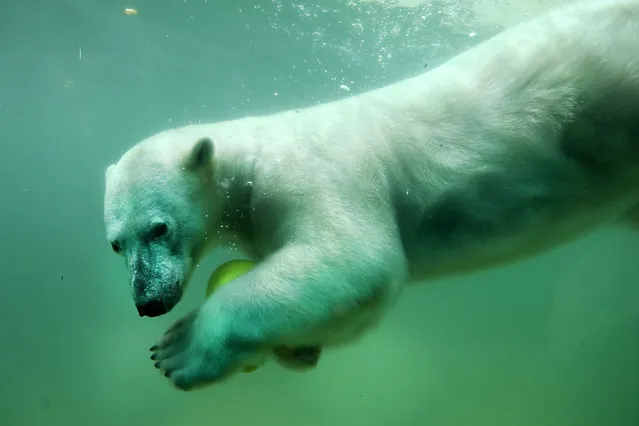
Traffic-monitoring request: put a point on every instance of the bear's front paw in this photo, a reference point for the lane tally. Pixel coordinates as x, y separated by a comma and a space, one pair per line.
195, 351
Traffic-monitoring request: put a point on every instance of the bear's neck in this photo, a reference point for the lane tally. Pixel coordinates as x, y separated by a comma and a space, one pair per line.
233, 180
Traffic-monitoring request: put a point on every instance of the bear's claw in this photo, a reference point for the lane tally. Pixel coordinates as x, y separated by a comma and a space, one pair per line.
192, 352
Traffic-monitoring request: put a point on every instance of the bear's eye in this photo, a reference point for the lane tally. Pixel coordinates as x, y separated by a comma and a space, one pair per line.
116, 246
159, 230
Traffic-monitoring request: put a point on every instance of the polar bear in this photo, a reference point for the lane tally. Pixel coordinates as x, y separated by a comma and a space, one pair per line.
515, 146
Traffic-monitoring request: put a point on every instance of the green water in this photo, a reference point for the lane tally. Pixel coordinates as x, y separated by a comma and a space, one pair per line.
553, 341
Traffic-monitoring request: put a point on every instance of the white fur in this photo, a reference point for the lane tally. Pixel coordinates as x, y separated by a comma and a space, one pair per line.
511, 148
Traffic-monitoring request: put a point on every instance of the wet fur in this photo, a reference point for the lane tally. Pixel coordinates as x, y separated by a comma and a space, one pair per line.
518, 145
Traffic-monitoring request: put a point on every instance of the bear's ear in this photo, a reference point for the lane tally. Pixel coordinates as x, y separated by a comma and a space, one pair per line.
201, 155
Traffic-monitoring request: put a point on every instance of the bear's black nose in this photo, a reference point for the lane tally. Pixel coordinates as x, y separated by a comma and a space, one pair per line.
153, 308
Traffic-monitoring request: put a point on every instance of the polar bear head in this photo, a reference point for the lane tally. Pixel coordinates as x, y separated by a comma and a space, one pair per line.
157, 210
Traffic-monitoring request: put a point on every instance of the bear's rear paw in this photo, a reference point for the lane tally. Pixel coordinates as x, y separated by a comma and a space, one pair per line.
298, 358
